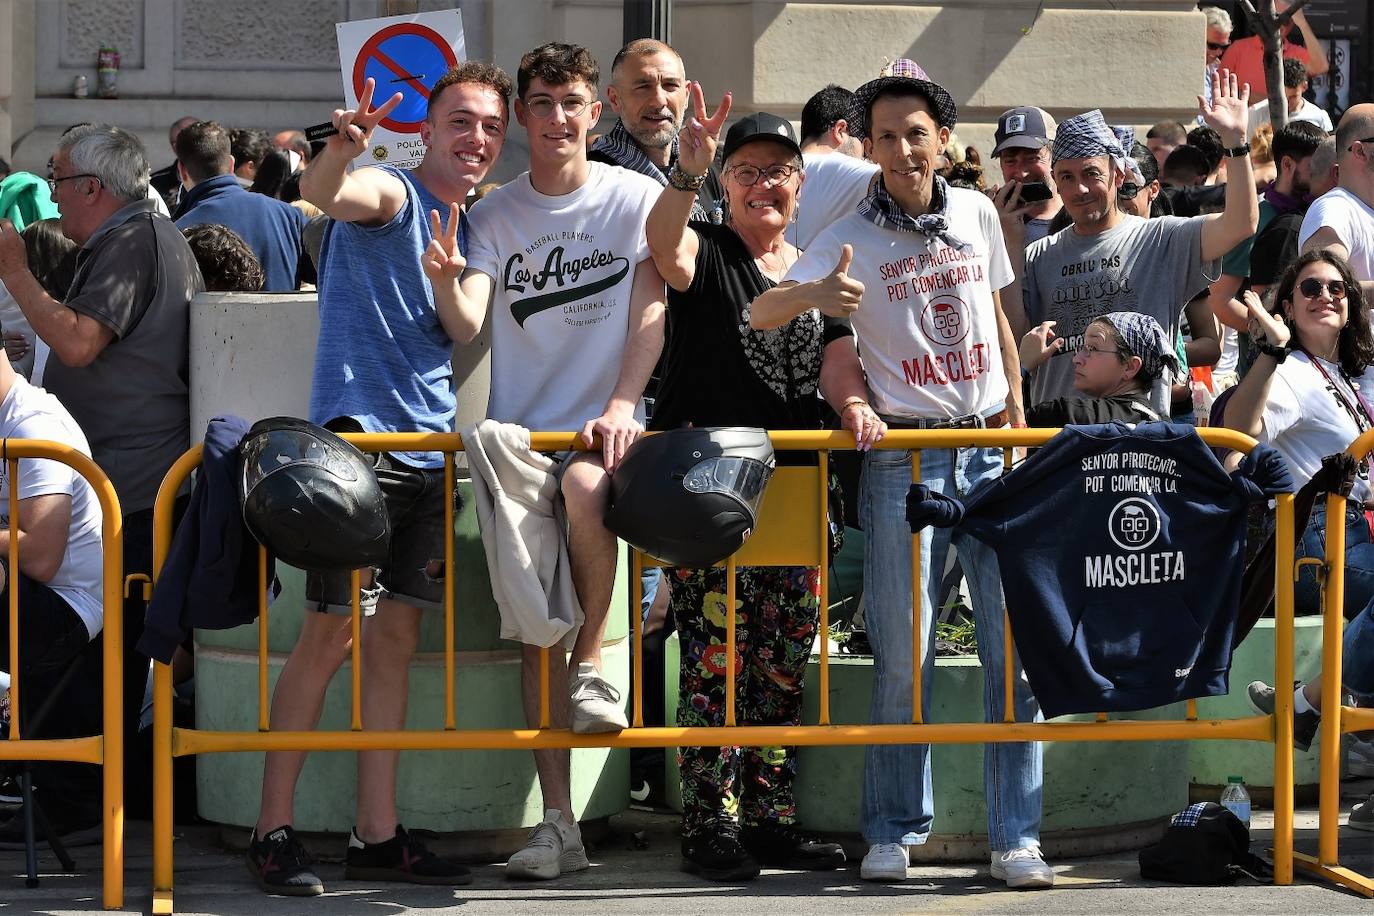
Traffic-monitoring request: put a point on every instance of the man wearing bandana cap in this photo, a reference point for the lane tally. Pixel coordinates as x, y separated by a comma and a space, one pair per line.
1109, 261
917, 270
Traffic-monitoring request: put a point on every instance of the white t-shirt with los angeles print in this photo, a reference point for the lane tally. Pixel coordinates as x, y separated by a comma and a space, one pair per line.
563, 268
926, 328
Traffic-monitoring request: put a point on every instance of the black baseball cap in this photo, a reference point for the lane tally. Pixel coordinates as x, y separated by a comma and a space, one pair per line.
760, 126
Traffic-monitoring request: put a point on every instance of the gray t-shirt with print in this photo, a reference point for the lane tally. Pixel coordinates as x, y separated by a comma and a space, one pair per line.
1150, 266
136, 276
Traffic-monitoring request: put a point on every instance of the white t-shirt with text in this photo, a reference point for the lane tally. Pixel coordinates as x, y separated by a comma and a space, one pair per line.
1312, 114
31, 413
1305, 421
927, 327
563, 268
1353, 221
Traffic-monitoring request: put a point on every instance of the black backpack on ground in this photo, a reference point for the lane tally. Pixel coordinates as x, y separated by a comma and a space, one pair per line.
1205, 844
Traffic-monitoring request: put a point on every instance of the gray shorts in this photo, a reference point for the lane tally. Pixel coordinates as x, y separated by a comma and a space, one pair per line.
414, 570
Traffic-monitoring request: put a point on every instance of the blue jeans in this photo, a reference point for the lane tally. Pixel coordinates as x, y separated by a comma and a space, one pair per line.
898, 806
1359, 562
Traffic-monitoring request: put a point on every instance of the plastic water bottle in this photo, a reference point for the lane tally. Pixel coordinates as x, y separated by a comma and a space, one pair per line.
1235, 799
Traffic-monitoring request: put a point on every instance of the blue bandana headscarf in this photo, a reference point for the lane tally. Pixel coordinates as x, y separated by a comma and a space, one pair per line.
1087, 135
1146, 339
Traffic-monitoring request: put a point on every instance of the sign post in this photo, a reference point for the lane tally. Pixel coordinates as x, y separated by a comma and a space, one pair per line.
405, 54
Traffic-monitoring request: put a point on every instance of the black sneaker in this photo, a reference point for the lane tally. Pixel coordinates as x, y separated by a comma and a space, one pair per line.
281, 865
716, 855
1305, 724
778, 845
401, 858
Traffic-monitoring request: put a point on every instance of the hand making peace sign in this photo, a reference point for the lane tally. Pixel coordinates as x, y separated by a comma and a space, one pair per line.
442, 261
354, 125
698, 138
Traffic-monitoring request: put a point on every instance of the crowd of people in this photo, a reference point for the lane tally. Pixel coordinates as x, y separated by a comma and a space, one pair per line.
864, 273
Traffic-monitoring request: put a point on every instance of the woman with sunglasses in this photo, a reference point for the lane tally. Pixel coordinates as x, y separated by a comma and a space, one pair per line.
1310, 393
737, 803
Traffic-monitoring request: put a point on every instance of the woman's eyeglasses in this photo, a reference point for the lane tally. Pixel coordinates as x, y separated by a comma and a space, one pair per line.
1312, 288
749, 175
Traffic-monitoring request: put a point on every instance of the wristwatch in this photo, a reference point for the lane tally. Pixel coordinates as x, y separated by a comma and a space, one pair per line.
1278, 353
1231, 152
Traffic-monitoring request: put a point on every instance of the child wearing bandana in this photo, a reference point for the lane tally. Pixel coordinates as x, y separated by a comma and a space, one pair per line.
1122, 354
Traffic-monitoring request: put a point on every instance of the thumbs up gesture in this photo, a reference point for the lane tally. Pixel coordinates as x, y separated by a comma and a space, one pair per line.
839, 294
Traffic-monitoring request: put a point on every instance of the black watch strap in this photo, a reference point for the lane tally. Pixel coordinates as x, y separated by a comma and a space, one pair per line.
1279, 353
1231, 152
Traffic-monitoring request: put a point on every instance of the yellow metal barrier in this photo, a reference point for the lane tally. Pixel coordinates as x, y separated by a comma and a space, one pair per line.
1337, 718
791, 532
107, 749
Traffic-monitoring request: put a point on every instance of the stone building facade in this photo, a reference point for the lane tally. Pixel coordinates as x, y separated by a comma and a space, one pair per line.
275, 65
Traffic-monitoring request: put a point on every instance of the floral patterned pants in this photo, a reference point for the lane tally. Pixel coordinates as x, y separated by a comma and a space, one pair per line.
776, 610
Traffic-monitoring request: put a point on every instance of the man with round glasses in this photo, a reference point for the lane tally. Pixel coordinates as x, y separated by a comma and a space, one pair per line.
577, 306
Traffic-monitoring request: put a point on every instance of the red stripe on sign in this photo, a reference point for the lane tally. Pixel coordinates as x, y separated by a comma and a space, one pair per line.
401, 72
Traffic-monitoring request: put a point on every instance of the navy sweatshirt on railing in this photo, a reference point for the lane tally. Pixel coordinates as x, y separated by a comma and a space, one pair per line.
1121, 550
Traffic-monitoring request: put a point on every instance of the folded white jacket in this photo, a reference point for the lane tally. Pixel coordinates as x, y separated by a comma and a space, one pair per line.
520, 511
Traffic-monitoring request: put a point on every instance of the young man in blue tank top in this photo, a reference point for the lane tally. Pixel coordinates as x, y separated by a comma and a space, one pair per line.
383, 364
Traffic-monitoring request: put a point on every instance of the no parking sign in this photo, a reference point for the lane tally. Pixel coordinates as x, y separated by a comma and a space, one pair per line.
405, 54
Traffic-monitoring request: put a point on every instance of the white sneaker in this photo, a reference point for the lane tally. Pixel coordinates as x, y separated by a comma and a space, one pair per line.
885, 862
1022, 868
554, 848
595, 703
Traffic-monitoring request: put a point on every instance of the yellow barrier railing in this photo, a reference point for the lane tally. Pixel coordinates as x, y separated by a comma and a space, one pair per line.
107, 749
1337, 718
791, 532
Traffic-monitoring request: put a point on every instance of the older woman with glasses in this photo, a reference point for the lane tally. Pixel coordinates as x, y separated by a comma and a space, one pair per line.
737, 803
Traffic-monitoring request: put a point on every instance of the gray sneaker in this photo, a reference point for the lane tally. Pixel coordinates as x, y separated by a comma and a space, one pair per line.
595, 703
1362, 815
1304, 723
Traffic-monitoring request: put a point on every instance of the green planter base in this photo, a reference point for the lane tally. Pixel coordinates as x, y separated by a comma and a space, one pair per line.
493, 793
1211, 762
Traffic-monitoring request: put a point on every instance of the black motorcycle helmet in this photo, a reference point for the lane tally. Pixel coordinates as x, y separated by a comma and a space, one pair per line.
311, 498
690, 497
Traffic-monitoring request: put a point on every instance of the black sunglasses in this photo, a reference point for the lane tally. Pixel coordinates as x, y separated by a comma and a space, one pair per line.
1213, 46
1312, 288
1353, 142
1129, 190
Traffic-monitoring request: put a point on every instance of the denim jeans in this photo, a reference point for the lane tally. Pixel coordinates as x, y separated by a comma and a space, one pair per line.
1359, 562
898, 806
1357, 657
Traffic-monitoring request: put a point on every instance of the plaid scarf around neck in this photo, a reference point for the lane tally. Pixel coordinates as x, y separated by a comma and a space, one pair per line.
617, 144
883, 211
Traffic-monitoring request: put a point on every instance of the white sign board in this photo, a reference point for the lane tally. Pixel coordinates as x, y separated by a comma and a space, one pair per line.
406, 54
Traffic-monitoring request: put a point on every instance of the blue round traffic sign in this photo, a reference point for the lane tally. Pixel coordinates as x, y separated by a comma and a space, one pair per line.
408, 58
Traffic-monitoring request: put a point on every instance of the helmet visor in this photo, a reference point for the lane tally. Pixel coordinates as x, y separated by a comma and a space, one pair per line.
742, 478
264, 455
